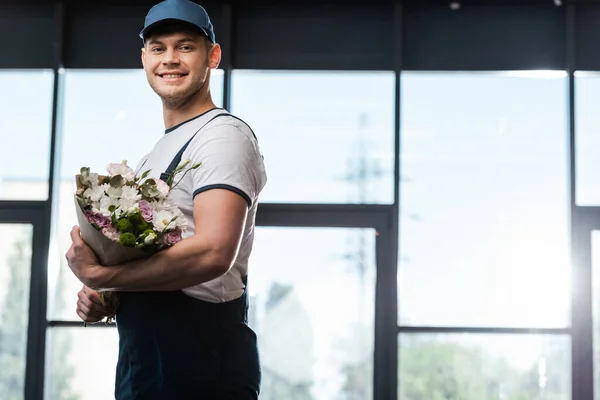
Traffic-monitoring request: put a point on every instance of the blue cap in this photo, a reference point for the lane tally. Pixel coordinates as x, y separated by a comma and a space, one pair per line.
179, 10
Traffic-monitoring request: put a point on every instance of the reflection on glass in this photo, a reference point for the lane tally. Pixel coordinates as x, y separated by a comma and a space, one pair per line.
81, 363
109, 116
587, 138
483, 367
313, 311
484, 200
327, 137
15, 272
26, 115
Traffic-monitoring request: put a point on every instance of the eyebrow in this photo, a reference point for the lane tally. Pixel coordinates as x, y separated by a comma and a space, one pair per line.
185, 39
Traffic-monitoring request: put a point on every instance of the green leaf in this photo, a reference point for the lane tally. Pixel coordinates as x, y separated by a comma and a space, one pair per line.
145, 174
149, 191
117, 181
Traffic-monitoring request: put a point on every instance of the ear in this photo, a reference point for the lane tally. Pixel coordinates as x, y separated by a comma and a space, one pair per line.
144, 57
214, 56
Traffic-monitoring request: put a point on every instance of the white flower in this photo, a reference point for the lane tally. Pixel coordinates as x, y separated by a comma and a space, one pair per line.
134, 209
122, 169
169, 208
161, 219
104, 205
114, 191
95, 193
150, 238
92, 179
129, 197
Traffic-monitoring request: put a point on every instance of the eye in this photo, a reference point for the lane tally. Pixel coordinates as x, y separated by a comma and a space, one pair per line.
156, 49
187, 48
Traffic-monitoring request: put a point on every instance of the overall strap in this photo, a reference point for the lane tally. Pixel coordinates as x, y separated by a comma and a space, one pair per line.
175, 162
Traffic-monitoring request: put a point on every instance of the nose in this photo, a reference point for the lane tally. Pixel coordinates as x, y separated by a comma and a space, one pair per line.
170, 57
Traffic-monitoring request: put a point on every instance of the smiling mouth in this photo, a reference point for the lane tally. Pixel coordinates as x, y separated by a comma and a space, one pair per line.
171, 76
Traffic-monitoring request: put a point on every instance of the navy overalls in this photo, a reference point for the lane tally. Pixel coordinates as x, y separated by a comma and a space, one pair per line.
176, 347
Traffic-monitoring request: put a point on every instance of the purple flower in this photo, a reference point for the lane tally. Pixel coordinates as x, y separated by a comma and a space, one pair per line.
147, 211
98, 219
172, 237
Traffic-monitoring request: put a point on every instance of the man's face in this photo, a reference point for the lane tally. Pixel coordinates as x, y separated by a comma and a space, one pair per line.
177, 65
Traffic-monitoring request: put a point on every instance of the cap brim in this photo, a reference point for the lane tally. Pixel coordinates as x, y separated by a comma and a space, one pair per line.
148, 29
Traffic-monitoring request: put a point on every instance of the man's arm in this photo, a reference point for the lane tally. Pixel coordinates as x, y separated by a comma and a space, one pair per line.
219, 219
224, 186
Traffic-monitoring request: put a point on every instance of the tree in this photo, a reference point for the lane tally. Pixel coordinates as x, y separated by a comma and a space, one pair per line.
14, 321
13, 328
286, 371
58, 385
448, 370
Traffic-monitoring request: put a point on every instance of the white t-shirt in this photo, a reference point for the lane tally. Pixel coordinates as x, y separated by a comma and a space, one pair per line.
231, 159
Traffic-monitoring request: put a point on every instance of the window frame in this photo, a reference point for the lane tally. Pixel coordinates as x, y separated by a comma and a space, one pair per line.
568, 43
35, 214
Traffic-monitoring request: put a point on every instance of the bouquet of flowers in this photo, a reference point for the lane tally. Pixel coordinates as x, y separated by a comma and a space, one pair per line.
123, 217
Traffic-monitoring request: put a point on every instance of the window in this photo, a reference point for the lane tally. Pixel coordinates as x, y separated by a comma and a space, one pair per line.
109, 116
313, 311
15, 272
314, 342
26, 114
327, 137
484, 200
81, 363
587, 138
595, 247
476, 367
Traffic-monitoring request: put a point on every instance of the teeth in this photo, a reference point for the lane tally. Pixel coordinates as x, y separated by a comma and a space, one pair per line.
170, 76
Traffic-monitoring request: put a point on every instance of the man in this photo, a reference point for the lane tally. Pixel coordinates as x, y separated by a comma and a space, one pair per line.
182, 315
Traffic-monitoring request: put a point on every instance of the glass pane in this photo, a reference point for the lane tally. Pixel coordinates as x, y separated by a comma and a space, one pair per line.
327, 137
587, 138
123, 110
484, 367
484, 221
595, 242
81, 363
314, 311
15, 272
26, 114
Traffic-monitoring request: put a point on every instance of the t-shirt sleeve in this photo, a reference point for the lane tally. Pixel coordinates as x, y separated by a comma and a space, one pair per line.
230, 160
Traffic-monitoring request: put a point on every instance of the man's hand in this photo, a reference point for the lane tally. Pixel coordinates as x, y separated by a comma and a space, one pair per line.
89, 305
81, 259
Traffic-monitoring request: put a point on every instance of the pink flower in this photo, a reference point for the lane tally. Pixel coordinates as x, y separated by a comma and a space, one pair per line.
111, 233
162, 187
100, 220
147, 211
122, 169
173, 237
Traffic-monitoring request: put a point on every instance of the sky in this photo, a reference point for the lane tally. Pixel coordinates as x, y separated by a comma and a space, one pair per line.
484, 193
